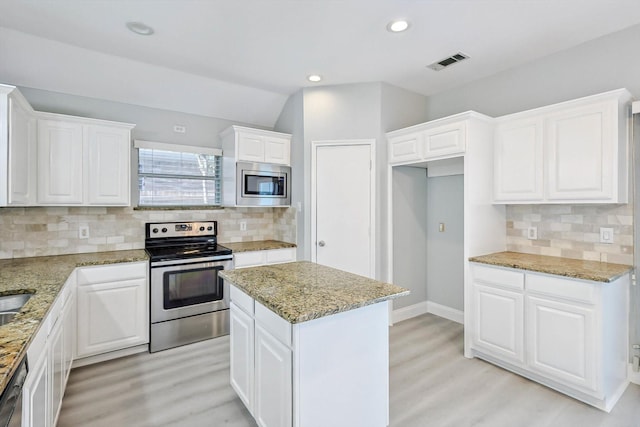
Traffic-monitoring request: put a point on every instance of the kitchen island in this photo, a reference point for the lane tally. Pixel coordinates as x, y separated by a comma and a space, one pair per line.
310, 345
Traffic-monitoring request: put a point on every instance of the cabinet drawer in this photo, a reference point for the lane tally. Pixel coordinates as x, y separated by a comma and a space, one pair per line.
248, 259
274, 324
275, 256
112, 273
242, 300
498, 276
560, 287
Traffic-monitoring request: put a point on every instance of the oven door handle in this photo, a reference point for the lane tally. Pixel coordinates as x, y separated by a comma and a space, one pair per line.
186, 261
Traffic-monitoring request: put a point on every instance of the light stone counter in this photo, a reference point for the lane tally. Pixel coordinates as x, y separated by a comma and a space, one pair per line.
302, 291
580, 269
260, 245
44, 277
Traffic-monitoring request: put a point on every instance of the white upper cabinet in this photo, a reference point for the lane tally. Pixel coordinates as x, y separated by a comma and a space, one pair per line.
434, 140
60, 159
518, 163
17, 149
255, 145
83, 161
573, 152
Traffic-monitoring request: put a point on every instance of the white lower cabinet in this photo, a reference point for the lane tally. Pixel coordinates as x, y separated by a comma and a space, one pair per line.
113, 308
49, 363
270, 256
261, 361
569, 334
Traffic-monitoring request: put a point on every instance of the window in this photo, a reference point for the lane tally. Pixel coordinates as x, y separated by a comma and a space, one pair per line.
174, 175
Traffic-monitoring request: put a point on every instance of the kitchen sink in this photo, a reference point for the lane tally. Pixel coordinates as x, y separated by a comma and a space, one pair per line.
7, 316
13, 302
10, 305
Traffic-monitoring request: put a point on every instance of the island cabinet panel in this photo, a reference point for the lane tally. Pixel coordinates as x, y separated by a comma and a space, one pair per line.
242, 350
569, 334
330, 371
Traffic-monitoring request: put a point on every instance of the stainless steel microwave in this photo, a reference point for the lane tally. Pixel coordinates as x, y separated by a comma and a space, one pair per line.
263, 184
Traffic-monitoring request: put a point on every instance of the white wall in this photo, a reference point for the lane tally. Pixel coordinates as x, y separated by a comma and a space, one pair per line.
410, 234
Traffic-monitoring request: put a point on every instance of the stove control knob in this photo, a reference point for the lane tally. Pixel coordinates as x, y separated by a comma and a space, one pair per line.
164, 230
155, 230
201, 228
209, 228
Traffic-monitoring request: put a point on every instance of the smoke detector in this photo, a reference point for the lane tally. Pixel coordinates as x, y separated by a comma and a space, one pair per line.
448, 61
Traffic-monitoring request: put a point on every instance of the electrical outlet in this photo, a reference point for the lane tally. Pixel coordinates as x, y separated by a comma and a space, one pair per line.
180, 129
606, 235
532, 233
83, 231
243, 225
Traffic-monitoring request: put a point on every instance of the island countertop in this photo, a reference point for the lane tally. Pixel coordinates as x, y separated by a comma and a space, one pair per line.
579, 269
301, 291
44, 277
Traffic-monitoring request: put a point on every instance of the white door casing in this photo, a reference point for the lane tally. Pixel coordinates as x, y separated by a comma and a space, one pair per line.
343, 205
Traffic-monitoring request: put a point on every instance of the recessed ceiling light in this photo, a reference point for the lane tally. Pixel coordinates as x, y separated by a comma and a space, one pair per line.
315, 78
140, 28
398, 26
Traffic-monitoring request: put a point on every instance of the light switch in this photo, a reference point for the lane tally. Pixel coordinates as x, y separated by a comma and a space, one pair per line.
441, 227
606, 235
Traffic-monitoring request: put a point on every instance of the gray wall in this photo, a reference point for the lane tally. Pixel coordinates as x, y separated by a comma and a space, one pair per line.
151, 124
607, 63
410, 233
445, 250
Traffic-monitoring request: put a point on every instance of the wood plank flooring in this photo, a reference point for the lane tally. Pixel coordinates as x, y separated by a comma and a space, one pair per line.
431, 385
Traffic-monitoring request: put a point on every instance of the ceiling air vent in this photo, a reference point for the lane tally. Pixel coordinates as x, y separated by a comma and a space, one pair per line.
444, 63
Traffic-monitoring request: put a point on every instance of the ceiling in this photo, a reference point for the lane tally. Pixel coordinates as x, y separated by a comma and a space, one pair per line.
268, 47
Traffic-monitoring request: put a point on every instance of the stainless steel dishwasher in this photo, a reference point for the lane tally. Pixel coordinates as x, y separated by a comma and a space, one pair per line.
11, 399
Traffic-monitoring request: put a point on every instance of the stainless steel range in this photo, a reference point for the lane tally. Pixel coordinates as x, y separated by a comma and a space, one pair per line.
189, 302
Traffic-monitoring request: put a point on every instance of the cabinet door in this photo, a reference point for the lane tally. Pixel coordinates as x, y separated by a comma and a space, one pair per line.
36, 395
498, 328
405, 148
112, 316
582, 153
277, 150
250, 148
444, 140
60, 159
109, 165
69, 327
518, 156
56, 366
561, 342
273, 381
242, 355
22, 154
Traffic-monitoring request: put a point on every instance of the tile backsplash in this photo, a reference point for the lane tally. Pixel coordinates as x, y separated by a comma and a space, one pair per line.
40, 231
572, 231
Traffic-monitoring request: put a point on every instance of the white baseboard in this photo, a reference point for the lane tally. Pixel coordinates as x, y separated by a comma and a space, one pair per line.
447, 312
408, 312
633, 376
420, 308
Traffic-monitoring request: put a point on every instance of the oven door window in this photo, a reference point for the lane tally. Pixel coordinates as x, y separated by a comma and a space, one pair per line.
189, 287
264, 185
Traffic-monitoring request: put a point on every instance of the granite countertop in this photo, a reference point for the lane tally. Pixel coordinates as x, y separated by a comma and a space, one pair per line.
580, 269
260, 245
44, 277
302, 291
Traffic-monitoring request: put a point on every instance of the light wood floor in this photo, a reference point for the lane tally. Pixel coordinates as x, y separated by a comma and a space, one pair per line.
431, 385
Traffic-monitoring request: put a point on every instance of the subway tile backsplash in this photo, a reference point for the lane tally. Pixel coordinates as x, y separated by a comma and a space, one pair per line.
572, 231
41, 231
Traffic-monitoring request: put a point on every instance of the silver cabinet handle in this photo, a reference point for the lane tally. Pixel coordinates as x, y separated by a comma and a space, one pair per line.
321, 243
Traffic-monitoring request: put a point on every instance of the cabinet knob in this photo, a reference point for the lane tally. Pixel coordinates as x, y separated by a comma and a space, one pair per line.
321, 243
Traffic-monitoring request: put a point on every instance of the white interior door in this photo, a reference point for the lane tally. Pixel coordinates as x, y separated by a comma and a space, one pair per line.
343, 206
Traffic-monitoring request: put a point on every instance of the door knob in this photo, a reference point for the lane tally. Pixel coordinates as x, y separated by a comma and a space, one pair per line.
321, 243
